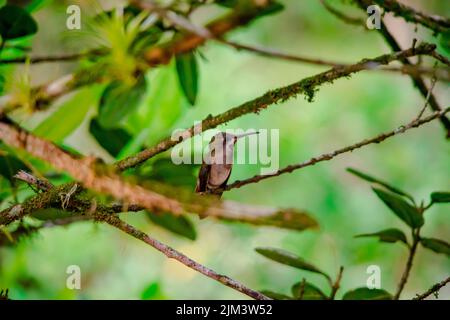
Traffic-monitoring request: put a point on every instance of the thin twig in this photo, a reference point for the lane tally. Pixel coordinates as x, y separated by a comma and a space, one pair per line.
100, 178
440, 58
331, 155
342, 16
409, 263
45, 59
337, 283
174, 254
116, 222
301, 290
427, 99
433, 290
433, 22
417, 80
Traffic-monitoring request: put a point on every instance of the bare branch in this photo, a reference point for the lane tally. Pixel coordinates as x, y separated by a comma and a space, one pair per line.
336, 284
433, 22
418, 82
342, 16
412, 252
433, 290
331, 155
100, 178
101, 214
174, 254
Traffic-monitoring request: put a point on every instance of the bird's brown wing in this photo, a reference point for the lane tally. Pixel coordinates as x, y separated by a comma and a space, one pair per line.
202, 179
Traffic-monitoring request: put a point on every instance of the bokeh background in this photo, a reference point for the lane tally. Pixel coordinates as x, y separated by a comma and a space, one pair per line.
115, 266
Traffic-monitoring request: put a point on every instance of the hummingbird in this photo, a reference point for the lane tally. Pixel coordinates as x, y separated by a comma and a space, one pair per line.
215, 172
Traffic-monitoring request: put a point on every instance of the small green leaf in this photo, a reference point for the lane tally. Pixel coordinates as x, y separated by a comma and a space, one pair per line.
371, 179
10, 165
389, 235
164, 170
436, 245
401, 208
226, 3
290, 259
72, 111
16, 22
118, 100
310, 292
51, 214
444, 41
36, 5
367, 294
187, 71
440, 197
152, 292
275, 295
112, 140
180, 225
272, 8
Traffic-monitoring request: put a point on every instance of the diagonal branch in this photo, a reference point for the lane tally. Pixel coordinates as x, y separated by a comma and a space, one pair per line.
433, 290
328, 156
100, 178
433, 22
174, 254
100, 213
307, 86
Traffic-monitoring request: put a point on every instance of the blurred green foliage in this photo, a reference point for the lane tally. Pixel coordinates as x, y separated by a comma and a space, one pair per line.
115, 266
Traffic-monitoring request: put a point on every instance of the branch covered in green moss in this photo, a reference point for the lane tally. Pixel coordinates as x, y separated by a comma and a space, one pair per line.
307, 86
103, 179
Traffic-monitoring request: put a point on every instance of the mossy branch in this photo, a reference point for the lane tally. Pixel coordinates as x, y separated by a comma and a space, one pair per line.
307, 86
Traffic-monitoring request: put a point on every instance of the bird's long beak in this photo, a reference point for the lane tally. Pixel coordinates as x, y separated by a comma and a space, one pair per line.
246, 134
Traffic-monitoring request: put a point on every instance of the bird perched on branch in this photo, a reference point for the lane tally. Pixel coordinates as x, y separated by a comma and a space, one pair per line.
216, 170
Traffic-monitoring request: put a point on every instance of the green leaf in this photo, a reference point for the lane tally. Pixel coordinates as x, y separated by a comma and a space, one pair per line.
10, 165
401, 208
145, 39
371, 179
389, 235
275, 295
272, 8
436, 245
440, 197
36, 5
69, 115
180, 225
310, 292
444, 41
16, 22
112, 140
187, 71
367, 294
290, 259
152, 292
164, 170
51, 214
289, 219
118, 100
227, 3
2, 83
